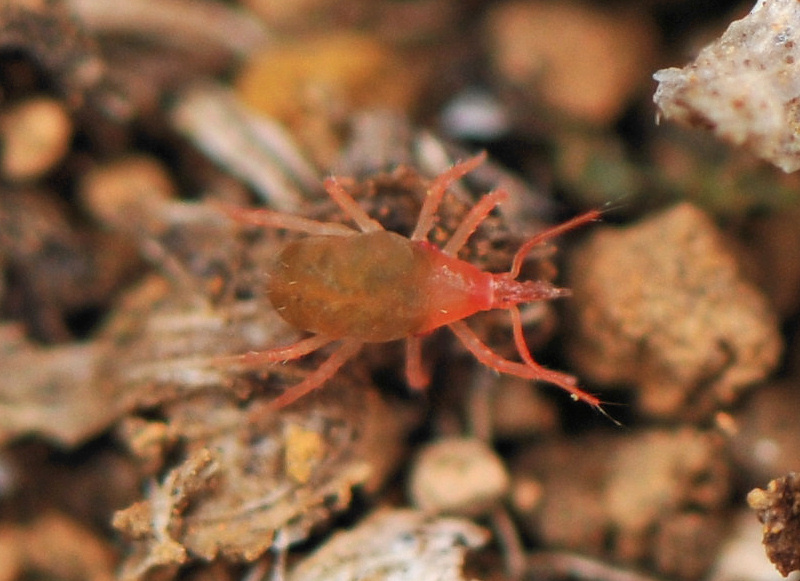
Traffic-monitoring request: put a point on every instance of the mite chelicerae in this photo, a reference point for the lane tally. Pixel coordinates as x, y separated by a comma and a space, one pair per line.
371, 286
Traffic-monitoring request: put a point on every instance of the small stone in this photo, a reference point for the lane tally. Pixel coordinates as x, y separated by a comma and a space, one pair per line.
662, 305
35, 135
741, 555
585, 62
520, 410
304, 451
310, 84
685, 543
333, 71
394, 545
457, 476
657, 496
526, 494
765, 441
126, 190
655, 476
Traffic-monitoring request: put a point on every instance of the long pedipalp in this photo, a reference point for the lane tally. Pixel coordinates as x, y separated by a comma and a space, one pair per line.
546, 235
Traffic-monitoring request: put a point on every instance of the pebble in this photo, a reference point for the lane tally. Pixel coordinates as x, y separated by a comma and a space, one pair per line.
460, 476
35, 135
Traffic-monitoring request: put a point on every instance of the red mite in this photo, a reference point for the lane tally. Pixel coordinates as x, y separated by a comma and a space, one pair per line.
371, 286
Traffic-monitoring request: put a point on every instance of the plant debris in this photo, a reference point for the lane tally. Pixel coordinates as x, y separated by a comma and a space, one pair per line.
134, 442
744, 86
778, 509
395, 545
242, 482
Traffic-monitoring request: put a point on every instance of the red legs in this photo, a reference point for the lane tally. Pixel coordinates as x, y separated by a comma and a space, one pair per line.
272, 219
524, 370
529, 369
427, 215
546, 235
279, 220
519, 337
516, 265
279, 354
472, 220
319, 376
346, 202
416, 374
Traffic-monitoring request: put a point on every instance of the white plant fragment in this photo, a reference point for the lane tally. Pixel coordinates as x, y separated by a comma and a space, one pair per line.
394, 545
746, 85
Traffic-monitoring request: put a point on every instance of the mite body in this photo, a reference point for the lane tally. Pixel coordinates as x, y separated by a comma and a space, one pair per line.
375, 286
371, 285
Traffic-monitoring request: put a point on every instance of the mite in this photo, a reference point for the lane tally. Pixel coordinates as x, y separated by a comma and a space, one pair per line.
371, 286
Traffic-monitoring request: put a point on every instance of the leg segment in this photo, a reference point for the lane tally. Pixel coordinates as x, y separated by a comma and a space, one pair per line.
279, 220
346, 202
519, 337
288, 353
436, 192
546, 235
319, 376
472, 220
416, 374
491, 359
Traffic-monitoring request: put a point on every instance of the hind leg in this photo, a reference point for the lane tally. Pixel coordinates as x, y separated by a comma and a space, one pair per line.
318, 377
291, 352
282, 221
346, 202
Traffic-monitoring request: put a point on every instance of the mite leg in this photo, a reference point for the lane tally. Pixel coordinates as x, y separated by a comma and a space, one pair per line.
319, 376
472, 220
525, 370
416, 374
436, 191
346, 202
288, 353
279, 220
546, 235
519, 338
